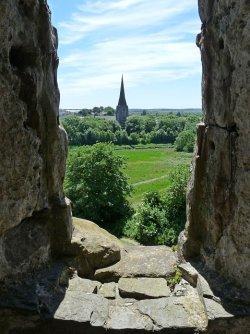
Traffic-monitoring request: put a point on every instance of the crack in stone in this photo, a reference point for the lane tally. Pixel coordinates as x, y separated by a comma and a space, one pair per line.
230, 129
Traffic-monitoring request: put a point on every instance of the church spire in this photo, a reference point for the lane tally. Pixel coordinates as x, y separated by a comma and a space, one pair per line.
122, 99
122, 108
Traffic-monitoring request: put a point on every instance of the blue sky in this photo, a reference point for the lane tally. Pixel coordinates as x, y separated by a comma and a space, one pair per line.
151, 42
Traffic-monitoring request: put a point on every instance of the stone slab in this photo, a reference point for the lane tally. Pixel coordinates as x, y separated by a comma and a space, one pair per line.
205, 289
128, 317
92, 248
108, 290
143, 288
82, 285
215, 310
175, 312
141, 261
83, 308
189, 273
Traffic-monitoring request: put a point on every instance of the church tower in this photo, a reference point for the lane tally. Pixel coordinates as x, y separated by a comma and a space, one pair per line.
122, 108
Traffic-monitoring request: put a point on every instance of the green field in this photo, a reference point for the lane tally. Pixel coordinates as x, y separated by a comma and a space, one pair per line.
149, 169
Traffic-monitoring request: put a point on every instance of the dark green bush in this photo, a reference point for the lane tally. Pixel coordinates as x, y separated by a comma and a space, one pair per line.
185, 141
97, 186
161, 218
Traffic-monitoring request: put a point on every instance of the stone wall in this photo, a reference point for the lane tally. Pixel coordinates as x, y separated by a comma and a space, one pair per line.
218, 226
35, 218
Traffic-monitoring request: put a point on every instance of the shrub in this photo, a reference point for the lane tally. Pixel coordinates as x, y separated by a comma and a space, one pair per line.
161, 218
185, 141
175, 279
97, 186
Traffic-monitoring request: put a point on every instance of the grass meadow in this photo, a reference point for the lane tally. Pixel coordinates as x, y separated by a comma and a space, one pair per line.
149, 168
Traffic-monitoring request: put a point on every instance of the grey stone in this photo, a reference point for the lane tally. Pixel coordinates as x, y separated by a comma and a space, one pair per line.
181, 289
128, 317
215, 310
92, 247
189, 273
108, 290
218, 211
83, 285
175, 312
82, 308
205, 289
143, 288
18, 256
141, 261
33, 145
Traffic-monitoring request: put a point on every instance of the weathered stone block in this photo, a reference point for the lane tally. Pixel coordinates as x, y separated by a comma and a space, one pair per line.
143, 288
33, 146
218, 225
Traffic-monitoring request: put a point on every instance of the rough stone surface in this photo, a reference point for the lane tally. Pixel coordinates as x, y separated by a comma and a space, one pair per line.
141, 261
72, 305
175, 312
83, 308
143, 288
128, 317
83, 285
189, 273
33, 146
218, 227
205, 290
148, 315
108, 290
92, 247
181, 289
215, 310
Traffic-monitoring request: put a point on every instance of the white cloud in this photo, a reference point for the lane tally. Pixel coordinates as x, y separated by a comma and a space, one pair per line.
144, 13
140, 58
133, 41
102, 6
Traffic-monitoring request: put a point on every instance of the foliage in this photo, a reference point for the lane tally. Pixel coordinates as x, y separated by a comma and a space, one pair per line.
97, 186
157, 129
84, 112
175, 200
97, 110
185, 141
161, 218
109, 111
175, 279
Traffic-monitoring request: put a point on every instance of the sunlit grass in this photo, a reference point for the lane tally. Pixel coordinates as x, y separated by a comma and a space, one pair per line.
149, 169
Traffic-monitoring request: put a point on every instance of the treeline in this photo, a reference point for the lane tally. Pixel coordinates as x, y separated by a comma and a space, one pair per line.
109, 111
161, 129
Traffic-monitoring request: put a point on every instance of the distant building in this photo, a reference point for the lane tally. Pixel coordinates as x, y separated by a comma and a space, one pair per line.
122, 108
67, 112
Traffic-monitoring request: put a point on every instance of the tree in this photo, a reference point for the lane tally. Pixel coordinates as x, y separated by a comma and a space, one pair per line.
109, 111
134, 138
161, 218
134, 124
121, 138
84, 112
185, 141
97, 186
91, 136
97, 110
149, 124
